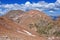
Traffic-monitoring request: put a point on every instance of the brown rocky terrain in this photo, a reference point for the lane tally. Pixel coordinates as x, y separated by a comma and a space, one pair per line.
31, 25
28, 18
11, 31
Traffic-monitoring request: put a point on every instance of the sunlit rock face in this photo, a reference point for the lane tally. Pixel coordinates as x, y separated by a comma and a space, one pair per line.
12, 31
28, 18
14, 14
32, 20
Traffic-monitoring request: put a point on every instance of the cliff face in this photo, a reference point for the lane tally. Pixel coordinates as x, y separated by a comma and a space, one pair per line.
31, 25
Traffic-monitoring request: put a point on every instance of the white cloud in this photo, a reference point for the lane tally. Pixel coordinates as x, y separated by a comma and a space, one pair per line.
27, 3
58, 1
50, 5
51, 11
41, 6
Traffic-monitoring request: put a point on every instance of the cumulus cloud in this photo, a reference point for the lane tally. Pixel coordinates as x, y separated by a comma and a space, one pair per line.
58, 1
51, 11
41, 6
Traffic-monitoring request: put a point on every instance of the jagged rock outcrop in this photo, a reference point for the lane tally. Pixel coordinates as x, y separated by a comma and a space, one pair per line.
14, 14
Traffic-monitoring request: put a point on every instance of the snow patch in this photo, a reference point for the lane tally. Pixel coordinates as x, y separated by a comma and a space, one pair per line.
20, 32
49, 38
28, 33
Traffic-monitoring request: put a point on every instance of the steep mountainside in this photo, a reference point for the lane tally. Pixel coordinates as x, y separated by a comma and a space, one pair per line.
28, 18
33, 23
11, 31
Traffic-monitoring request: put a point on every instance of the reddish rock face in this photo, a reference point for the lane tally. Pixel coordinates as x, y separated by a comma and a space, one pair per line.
32, 17
11, 31
28, 19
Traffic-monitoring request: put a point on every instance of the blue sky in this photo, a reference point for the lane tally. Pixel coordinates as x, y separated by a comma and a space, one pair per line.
23, 1
50, 7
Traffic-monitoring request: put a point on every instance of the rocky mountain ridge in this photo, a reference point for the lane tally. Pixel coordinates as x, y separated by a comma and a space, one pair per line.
31, 25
